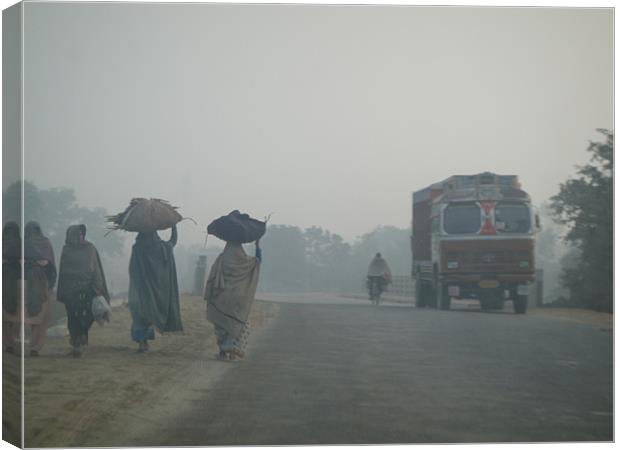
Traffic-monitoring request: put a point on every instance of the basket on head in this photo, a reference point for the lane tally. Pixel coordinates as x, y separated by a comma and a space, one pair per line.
146, 215
237, 227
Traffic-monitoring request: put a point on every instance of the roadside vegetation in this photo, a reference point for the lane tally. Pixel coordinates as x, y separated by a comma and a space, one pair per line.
574, 248
585, 206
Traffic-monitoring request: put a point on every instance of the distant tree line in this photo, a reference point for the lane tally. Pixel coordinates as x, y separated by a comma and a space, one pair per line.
578, 272
315, 259
296, 260
55, 209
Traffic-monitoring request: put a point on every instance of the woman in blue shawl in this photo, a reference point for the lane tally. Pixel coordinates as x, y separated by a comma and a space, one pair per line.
153, 288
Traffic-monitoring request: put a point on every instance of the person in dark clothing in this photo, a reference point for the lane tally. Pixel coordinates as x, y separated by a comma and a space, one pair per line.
81, 279
11, 279
40, 279
153, 288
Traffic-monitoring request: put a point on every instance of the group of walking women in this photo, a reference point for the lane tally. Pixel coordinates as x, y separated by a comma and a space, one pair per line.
153, 296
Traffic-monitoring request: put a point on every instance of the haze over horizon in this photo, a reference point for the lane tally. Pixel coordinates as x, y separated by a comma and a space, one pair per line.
325, 115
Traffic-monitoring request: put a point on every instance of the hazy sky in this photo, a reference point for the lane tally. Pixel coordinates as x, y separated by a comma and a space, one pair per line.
325, 115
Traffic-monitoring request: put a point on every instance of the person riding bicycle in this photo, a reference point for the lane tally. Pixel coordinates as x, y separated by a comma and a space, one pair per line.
379, 271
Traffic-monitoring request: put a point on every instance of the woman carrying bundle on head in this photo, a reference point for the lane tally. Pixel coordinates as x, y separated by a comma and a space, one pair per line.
153, 287
232, 282
80, 280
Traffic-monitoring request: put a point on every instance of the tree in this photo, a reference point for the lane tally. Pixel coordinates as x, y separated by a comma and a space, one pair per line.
284, 268
316, 259
55, 209
551, 249
585, 205
393, 243
327, 257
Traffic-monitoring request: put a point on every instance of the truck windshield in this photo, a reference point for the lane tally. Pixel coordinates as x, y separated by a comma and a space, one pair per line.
512, 218
460, 219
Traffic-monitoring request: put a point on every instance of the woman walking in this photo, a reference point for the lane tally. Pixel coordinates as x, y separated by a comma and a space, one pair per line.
11, 279
40, 278
80, 280
229, 293
153, 288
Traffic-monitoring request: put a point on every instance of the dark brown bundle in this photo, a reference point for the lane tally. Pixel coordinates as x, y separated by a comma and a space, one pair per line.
146, 215
237, 227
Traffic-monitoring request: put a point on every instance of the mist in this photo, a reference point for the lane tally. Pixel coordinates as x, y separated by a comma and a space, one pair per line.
325, 119
327, 116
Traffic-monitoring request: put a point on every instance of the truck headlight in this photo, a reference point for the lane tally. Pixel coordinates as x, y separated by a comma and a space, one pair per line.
524, 264
453, 265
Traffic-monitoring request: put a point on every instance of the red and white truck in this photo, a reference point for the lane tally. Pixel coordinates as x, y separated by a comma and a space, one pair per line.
473, 237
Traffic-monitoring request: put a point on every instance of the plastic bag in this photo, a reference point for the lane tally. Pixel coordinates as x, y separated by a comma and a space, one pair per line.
101, 310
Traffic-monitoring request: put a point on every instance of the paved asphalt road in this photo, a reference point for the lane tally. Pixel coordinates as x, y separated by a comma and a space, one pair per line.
358, 374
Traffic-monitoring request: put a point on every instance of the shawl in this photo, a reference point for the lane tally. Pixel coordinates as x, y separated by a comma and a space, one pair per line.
38, 247
11, 266
379, 268
11, 241
153, 286
231, 287
80, 269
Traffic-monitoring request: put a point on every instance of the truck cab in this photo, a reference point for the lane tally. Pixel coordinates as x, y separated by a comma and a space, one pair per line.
473, 237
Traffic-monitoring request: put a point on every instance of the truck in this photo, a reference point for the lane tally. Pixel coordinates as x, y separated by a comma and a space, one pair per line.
473, 236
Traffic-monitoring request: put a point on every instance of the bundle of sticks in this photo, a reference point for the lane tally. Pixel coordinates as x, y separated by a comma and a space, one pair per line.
145, 215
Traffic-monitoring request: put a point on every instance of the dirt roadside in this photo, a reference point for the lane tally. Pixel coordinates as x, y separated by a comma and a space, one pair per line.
112, 393
603, 320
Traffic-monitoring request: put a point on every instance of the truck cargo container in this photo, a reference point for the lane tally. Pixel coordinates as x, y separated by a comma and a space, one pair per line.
473, 236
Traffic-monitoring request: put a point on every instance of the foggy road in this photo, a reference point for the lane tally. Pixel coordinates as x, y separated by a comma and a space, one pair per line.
357, 374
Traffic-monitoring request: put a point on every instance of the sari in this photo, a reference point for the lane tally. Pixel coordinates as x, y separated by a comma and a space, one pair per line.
229, 293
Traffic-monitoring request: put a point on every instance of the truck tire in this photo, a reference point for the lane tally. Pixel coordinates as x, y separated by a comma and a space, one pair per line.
431, 295
419, 296
443, 299
519, 304
424, 294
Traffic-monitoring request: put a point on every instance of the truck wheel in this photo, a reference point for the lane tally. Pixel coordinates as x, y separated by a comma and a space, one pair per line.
443, 299
520, 304
424, 294
419, 294
431, 295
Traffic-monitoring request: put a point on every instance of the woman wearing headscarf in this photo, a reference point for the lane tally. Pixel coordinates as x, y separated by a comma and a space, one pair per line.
40, 278
80, 280
229, 293
153, 288
11, 278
